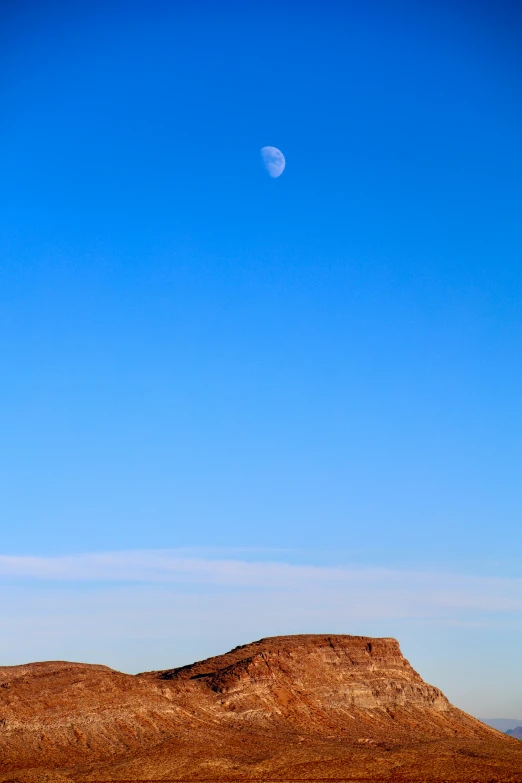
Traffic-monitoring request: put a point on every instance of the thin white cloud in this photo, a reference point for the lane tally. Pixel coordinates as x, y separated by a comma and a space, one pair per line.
389, 591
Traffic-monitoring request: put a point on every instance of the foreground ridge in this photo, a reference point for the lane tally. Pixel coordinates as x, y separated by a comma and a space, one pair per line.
304, 707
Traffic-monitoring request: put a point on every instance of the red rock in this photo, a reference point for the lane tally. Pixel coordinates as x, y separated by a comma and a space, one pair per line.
309, 706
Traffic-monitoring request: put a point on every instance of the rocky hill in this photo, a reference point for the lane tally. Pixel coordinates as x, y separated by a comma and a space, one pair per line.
292, 707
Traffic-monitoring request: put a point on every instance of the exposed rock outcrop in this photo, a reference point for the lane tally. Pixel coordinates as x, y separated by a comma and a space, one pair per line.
310, 680
284, 707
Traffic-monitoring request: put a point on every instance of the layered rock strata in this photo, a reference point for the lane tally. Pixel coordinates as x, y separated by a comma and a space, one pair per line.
291, 706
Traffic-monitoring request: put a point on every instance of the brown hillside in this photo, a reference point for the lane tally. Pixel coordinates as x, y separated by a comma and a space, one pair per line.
293, 707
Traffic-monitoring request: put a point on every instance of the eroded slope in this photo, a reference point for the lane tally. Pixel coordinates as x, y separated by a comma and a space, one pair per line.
297, 706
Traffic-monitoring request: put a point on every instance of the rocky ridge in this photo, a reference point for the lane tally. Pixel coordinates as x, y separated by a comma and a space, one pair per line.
286, 707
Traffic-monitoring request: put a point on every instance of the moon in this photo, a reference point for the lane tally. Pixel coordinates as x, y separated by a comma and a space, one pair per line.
274, 161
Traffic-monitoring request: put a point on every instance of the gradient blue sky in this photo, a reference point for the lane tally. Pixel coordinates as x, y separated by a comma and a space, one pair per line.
322, 370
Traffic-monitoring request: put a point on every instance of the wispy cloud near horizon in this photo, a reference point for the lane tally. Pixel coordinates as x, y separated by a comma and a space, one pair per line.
407, 591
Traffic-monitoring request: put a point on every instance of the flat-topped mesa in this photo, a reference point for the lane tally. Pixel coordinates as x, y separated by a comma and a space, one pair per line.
319, 671
333, 702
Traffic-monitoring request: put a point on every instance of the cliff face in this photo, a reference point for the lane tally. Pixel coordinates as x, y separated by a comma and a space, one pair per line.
298, 675
285, 706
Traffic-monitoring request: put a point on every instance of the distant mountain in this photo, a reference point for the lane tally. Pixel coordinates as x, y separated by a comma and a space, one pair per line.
344, 708
502, 724
517, 732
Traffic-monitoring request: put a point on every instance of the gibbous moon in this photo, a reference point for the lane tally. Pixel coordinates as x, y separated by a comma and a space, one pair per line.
274, 161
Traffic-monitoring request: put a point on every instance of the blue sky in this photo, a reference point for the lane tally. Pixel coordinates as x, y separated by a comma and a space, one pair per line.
318, 371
